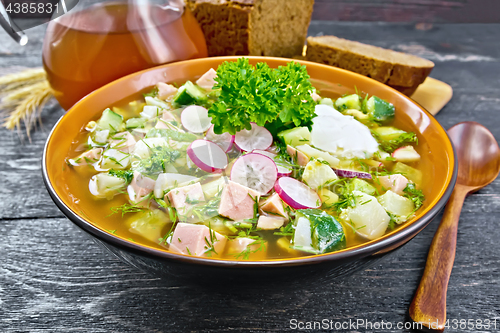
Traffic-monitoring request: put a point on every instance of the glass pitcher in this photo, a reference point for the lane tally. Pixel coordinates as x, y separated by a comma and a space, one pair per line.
100, 41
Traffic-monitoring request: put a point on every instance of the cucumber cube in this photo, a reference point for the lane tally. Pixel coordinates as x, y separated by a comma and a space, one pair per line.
412, 174
361, 185
379, 109
188, 94
388, 133
397, 205
296, 136
348, 102
110, 120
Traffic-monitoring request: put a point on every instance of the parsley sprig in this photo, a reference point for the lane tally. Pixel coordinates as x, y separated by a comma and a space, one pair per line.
278, 98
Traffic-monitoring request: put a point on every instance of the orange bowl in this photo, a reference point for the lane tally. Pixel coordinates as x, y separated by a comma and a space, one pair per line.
439, 165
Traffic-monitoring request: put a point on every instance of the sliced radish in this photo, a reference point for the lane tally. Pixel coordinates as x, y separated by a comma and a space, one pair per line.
265, 153
224, 140
256, 138
273, 149
255, 171
195, 119
406, 154
297, 194
284, 168
207, 155
352, 174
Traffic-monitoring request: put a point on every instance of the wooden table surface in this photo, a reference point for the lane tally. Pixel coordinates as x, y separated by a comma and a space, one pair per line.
53, 278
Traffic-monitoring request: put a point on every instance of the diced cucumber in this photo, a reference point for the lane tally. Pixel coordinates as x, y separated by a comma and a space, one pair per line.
397, 205
149, 224
110, 120
302, 236
151, 111
212, 188
154, 101
379, 109
101, 136
220, 225
325, 232
412, 174
368, 218
296, 136
313, 152
361, 185
348, 102
327, 197
188, 94
135, 123
317, 174
108, 185
115, 159
327, 101
387, 133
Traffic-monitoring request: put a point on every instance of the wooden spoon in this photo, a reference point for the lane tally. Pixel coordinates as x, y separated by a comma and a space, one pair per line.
478, 157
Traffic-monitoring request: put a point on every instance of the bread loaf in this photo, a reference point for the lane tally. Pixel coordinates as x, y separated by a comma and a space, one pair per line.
253, 27
401, 71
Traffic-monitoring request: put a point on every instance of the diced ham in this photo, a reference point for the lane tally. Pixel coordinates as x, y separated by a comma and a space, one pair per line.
396, 183
184, 198
193, 238
140, 187
167, 116
274, 205
236, 247
236, 202
165, 90
88, 157
124, 142
315, 96
299, 157
270, 222
161, 124
206, 81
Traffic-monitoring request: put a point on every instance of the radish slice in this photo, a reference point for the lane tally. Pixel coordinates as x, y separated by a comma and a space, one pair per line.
352, 174
255, 171
195, 119
406, 154
284, 168
297, 194
207, 155
265, 153
256, 138
224, 140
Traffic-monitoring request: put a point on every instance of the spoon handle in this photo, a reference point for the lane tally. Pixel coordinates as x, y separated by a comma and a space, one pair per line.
429, 304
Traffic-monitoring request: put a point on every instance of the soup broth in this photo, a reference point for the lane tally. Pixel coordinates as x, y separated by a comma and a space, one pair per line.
118, 216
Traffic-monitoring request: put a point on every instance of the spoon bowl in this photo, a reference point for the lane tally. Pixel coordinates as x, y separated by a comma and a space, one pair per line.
478, 158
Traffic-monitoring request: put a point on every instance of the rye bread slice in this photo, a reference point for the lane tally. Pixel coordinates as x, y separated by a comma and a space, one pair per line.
402, 71
253, 27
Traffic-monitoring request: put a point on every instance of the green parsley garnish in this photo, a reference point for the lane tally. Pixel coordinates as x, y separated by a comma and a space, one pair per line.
278, 97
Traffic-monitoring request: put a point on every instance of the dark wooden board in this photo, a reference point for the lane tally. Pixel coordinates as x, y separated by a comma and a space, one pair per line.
53, 278
423, 11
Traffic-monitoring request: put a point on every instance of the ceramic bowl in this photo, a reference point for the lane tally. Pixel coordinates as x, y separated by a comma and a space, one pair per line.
434, 146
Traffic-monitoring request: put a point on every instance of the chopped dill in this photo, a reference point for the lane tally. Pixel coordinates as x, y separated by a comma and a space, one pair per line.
390, 146
126, 208
287, 230
417, 196
125, 174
